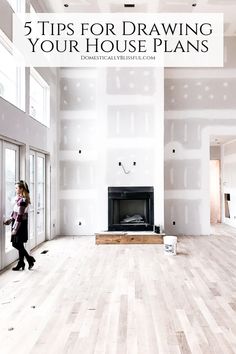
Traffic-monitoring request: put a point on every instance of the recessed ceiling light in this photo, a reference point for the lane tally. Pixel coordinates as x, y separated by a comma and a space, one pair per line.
66, 5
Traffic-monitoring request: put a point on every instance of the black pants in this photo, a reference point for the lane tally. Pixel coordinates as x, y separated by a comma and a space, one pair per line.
22, 251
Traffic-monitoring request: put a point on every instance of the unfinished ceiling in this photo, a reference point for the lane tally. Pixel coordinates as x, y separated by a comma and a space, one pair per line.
227, 7
221, 139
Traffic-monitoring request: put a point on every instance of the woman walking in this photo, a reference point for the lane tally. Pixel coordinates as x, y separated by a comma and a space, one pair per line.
19, 224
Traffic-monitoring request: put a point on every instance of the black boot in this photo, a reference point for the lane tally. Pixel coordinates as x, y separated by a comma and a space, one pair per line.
31, 261
20, 264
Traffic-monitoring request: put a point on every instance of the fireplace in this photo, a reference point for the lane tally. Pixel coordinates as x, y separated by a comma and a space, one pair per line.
130, 208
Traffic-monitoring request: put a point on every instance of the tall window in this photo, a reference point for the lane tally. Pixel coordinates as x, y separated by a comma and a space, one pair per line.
32, 9
17, 5
11, 169
39, 98
12, 78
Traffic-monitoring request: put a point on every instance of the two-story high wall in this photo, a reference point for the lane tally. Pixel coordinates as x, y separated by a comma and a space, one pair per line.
199, 103
108, 116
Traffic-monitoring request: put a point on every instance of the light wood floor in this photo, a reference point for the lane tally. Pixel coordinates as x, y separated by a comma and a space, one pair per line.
123, 299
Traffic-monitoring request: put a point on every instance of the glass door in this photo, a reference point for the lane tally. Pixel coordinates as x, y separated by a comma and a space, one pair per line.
37, 194
40, 196
32, 233
10, 174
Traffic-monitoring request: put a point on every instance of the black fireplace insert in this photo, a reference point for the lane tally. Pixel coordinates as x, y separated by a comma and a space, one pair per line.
130, 208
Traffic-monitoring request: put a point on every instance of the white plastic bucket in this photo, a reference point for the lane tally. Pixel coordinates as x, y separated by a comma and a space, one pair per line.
170, 245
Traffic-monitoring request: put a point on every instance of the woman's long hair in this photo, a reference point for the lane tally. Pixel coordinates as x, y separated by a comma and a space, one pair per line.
25, 190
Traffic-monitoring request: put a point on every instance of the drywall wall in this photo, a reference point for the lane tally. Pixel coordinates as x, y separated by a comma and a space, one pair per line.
198, 103
6, 18
108, 116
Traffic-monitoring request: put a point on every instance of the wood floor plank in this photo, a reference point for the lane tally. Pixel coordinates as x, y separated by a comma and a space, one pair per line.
123, 299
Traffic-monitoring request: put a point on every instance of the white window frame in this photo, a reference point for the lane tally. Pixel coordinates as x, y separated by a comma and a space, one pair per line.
9, 254
19, 100
45, 119
35, 237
